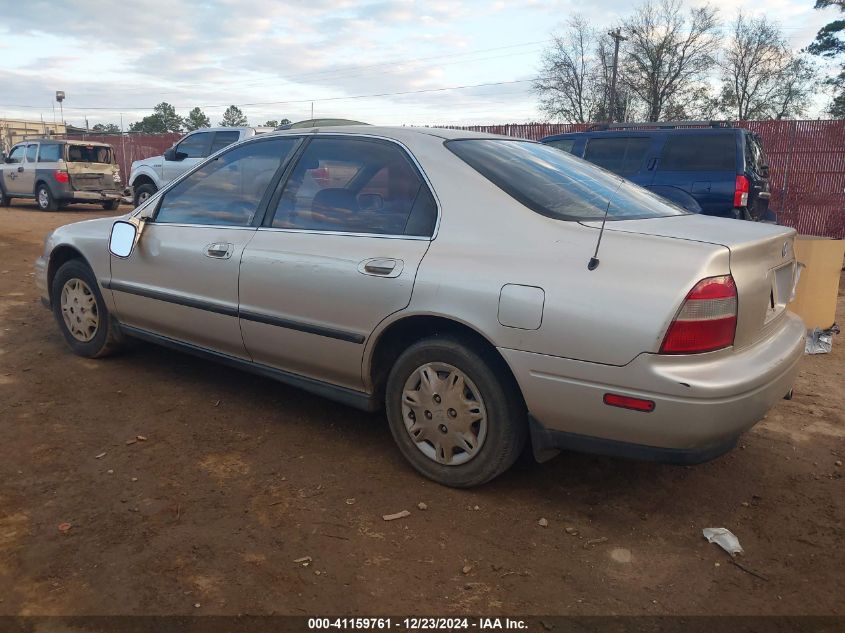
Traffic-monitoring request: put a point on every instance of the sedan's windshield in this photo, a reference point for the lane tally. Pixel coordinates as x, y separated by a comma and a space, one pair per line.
557, 184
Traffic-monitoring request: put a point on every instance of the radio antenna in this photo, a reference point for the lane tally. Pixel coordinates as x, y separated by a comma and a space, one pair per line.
594, 260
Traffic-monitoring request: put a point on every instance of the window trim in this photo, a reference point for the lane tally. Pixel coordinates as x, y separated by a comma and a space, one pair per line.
266, 223
260, 210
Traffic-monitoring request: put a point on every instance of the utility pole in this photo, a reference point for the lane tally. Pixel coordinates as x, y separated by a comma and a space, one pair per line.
617, 39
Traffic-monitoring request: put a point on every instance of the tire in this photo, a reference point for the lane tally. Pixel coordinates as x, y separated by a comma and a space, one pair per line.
91, 342
44, 199
111, 205
490, 400
143, 192
5, 200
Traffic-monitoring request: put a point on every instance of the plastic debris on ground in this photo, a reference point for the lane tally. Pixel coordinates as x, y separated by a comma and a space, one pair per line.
724, 538
820, 341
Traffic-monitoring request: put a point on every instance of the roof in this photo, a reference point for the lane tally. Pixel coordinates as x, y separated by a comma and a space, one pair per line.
394, 132
63, 141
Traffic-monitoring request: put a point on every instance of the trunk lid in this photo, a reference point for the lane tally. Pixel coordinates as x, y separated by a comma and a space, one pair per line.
762, 263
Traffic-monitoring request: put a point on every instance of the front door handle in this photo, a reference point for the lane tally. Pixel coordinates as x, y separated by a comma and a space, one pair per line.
20, 169
381, 266
219, 250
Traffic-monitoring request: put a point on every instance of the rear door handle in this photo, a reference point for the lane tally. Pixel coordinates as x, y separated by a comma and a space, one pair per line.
651, 164
381, 266
219, 250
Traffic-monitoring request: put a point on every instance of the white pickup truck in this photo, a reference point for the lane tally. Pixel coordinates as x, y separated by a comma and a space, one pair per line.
148, 175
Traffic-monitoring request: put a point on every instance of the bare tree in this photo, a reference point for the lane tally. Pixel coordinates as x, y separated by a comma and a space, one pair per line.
668, 52
761, 77
570, 84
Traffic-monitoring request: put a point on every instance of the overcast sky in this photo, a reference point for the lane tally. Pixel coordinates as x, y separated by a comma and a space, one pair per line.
125, 57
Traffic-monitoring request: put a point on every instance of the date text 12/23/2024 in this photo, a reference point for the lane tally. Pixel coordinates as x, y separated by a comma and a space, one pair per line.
417, 623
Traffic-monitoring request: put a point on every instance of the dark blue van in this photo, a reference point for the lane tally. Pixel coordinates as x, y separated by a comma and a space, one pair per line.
706, 167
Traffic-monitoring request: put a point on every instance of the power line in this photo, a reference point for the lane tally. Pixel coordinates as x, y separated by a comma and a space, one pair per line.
293, 101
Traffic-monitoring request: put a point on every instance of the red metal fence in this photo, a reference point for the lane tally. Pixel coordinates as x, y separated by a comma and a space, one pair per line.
806, 159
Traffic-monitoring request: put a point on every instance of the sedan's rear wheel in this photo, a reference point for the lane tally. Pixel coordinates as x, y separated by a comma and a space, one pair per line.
81, 313
454, 412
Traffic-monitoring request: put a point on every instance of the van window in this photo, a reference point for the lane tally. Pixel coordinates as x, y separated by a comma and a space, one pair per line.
89, 154
620, 155
699, 152
564, 144
558, 185
50, 153
16, 155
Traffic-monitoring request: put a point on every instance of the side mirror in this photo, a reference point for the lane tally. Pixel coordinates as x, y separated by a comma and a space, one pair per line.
170, 153
122, 239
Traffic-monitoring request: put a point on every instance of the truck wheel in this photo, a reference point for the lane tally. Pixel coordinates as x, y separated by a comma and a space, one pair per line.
5, 200
44, 199
111, 205
143, 193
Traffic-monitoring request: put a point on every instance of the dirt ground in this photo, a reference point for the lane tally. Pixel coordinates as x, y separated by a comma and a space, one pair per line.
239, 477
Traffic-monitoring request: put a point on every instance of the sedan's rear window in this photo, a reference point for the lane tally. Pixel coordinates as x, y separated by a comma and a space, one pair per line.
557, 184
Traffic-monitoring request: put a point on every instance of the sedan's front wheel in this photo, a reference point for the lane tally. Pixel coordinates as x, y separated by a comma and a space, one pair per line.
81, 313
455, 412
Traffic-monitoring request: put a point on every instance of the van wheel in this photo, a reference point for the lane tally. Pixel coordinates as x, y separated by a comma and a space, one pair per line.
454, 413
143, 193
81, 313
111, 205
44, 199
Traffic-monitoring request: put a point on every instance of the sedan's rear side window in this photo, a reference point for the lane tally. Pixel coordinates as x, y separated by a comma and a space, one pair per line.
557, 184
227, 190
356, 185
699, 152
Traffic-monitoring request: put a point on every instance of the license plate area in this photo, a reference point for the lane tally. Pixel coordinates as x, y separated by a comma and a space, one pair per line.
783, 281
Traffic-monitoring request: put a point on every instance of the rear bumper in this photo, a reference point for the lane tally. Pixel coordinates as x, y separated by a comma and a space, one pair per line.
94, 196
703, 402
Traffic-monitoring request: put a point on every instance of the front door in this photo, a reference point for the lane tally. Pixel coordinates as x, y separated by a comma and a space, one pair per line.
181, 281
13, 171
338, 253
189, 152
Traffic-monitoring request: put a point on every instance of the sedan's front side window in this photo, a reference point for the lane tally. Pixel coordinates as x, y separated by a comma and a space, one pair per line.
227, 190
356, 185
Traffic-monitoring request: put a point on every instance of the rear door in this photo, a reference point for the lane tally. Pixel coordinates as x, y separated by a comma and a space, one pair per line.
181, 281
193, 149
26, 176
338, 252
702, 164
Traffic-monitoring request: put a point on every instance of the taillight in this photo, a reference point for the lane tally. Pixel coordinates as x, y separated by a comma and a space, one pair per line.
61, 176
707, 319
741, 191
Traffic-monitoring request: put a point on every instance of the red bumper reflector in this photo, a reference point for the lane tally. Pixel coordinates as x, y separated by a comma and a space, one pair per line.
627, 402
